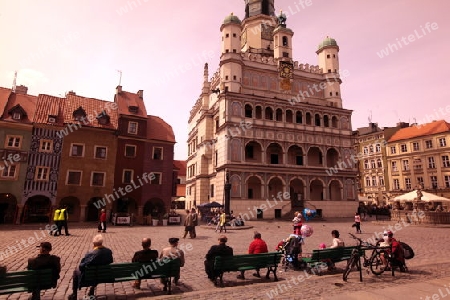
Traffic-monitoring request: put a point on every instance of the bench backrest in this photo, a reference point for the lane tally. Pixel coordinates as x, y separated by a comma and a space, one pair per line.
232, 263
332, 253
30, 279
127, 271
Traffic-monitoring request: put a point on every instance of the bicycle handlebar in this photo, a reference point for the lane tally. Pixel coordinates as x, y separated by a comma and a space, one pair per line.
363, 243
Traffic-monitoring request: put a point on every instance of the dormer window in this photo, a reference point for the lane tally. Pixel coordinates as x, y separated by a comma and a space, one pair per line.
103, 118
52, 119
133, 109
17, 116
79, 114
17, 112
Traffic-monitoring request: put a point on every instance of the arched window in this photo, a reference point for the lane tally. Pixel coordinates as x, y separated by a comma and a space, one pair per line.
248, 111
285, 41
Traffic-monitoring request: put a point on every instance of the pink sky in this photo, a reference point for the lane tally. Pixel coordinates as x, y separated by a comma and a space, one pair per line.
57, 46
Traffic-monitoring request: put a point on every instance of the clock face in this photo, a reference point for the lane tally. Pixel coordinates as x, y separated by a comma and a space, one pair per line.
286, 70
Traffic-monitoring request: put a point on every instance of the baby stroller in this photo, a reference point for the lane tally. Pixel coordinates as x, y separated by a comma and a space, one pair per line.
291, 249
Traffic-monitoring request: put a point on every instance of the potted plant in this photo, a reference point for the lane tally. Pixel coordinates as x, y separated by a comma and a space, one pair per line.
165, 219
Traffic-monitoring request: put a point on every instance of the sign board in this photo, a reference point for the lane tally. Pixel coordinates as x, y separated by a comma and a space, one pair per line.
123, 220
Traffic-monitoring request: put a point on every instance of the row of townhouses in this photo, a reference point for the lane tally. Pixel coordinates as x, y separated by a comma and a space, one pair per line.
84, 153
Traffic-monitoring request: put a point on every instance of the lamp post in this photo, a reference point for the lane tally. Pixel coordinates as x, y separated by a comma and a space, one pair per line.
227, 190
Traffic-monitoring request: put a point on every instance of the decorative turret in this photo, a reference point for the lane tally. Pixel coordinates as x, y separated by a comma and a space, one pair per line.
230, 60
257, 7
329, 63
282, 39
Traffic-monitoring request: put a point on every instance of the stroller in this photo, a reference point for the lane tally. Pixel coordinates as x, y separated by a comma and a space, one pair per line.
291, 249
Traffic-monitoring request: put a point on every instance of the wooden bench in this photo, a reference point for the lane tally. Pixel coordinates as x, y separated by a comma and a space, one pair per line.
25, 281
319, 257
119, 272
247, 262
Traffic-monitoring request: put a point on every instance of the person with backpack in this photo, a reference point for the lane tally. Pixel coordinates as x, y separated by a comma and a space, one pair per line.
396, 252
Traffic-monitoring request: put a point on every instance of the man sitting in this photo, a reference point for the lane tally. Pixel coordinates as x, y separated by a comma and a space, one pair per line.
257, 246
100, 255
45, 261
172, 252
216, 250
143, 256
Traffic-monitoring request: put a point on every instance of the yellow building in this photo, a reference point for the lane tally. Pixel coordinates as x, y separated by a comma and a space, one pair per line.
420, 155
274, 127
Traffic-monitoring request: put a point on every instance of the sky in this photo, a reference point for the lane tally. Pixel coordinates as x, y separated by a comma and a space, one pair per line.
395, 52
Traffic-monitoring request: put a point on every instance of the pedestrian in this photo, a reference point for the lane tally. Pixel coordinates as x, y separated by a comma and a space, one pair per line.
358, 222
102, 225
222, 221
43, 261
194, 222
297, 222
63, 217
172, 252
188, 224
258, 245
55, 230
144, 256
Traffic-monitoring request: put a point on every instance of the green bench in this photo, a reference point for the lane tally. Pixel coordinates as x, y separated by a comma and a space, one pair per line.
246, 262
319, 257
119, 272
25, 281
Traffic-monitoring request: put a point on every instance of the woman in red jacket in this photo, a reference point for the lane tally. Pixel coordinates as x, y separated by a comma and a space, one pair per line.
256, 246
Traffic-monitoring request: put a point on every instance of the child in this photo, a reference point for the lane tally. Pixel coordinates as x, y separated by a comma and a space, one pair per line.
358, 223
297, 223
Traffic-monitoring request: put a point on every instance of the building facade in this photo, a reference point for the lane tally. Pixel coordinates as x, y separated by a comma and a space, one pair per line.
271, 127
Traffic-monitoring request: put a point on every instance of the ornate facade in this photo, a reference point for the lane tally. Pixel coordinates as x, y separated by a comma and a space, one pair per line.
275, 126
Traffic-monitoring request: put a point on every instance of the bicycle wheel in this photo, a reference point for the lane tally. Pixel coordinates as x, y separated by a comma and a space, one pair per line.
352, 262
376, 264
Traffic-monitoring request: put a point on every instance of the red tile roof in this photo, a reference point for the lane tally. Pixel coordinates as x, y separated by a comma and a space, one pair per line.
181, 190
421, 130
181, 166
46, 106
26, 102
4, 96
93, 108
127, 99
158, 129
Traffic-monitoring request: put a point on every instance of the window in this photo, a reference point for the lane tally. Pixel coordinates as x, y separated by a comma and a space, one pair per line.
433, 180
394, 166
429, 144
45, 146
13, 141
17, 116
216, 158
447, 181
372, 164
403, 148
366, 164
299, 160
366, 150
420, 181
374, 181
42, 174
370, 149
132, 127
445, 161
431, 163
378, 148
381, 180
250, 193
379, 163
127, 176
405, 165
73, 177
130, 151
157, 153
396, 184
212, 190
156, 179
408, 183
416, 146
442, 142
393, 150
274, 159
77, 150
9, 171
417, 164
98, 179
367, 181
100, 152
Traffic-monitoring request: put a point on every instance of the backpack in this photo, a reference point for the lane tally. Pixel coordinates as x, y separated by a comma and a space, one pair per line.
408, 252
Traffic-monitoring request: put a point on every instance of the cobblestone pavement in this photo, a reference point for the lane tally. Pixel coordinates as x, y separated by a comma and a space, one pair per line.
430, 244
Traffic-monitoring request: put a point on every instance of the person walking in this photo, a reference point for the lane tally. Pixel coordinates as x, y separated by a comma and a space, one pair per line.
194, 222
222, 221
358, 222
102, 226
63, 217
57, 228
188, 224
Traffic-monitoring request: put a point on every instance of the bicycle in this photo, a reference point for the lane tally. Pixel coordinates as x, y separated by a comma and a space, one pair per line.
374, 262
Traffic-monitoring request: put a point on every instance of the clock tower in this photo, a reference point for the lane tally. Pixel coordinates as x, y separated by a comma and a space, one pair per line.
257, 7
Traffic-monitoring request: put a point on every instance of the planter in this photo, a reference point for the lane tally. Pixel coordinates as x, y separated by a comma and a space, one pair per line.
155, 222
165, 221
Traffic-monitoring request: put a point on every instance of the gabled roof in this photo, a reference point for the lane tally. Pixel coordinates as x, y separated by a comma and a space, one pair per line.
4, 96
181, 166
93, 108
46, 106
422, 130
125, 100
22, 103
158, 129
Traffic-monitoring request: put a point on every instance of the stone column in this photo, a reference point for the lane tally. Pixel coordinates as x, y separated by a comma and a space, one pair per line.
19, 213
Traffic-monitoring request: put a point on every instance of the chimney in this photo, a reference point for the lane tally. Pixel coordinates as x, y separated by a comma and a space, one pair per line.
21, 89
71, 93
119, 89
140, 93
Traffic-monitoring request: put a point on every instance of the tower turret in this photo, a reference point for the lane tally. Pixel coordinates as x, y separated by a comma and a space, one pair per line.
230, 60
257, 7
282, 39
329, 62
